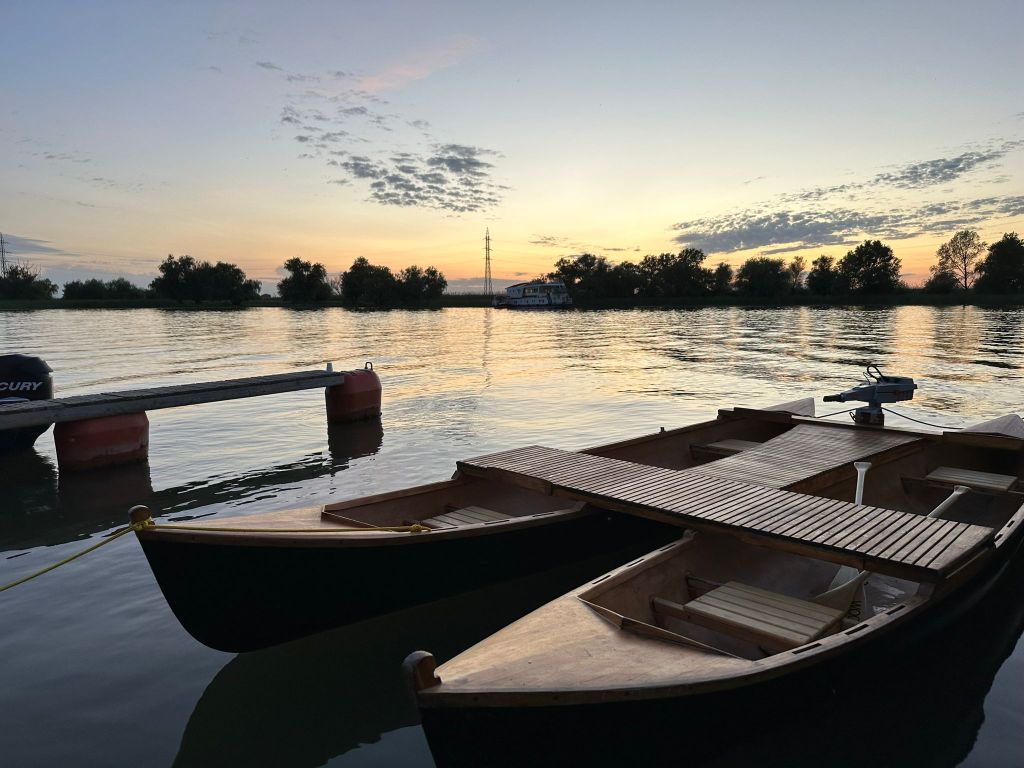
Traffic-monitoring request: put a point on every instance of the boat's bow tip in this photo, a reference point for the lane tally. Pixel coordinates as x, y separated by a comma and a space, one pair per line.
419, 669
139, 516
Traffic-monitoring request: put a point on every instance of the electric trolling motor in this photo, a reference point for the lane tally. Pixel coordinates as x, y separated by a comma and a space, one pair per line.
875, 390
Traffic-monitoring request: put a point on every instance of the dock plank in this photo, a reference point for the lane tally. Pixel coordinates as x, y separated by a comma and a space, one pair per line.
882, 540
78, 407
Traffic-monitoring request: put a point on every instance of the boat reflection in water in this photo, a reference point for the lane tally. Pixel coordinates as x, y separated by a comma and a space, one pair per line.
303, 702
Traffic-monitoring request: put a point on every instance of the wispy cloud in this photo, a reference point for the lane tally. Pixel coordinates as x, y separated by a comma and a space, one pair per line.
345, 128
843, 213
575, 246
422, 64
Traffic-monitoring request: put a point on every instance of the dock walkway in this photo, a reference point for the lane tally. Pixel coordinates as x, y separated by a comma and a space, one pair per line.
881, 540
80, 407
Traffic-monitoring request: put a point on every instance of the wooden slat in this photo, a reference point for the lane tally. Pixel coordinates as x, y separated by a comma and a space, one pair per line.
78, 407
886, 541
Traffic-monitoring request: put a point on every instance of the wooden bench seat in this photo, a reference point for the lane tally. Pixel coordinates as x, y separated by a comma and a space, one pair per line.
987, 481
464, 516
772, 621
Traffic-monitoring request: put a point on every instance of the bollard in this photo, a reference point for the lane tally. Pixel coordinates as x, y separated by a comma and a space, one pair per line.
100, 442
357, 397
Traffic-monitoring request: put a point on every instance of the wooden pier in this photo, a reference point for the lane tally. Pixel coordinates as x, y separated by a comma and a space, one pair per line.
112, 427
880, 540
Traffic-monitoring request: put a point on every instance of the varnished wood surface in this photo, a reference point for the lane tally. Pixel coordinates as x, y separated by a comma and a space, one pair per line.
79, 407
881, 540
803, 452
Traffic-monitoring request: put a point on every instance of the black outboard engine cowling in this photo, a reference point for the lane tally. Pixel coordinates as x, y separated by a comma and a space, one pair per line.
23, 377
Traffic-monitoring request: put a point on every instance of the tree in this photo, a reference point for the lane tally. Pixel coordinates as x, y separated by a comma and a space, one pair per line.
22, 281
185, 279
420, 286
823, 279
306, 282
722, 278
671, 274
796, 273
587, 276
960, 255
942, 281
1002, 270
763, 276
369, 285
118, 288
871, 268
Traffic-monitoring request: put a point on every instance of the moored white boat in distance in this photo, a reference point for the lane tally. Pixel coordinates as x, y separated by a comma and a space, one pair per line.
536, 294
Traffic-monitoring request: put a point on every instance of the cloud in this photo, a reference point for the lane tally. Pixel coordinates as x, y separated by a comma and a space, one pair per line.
269, 65
843, 213
451, 177
421, 65
783, 231
30, 246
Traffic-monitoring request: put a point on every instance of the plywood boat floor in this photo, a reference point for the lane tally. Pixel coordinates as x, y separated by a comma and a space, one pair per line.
871, 538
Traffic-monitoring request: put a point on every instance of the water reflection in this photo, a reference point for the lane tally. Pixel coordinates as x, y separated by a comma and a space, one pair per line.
55, 508
301, 703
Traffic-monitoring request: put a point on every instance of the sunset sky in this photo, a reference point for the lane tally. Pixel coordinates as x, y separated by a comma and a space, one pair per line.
253, 132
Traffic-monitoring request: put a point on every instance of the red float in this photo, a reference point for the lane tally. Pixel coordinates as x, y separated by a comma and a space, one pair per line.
98, 442
357, 397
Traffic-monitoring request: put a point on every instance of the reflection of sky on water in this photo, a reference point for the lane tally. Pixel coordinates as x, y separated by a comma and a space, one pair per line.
98, 636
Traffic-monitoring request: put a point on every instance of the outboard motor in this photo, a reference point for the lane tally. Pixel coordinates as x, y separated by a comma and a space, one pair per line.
22, 378
875, 390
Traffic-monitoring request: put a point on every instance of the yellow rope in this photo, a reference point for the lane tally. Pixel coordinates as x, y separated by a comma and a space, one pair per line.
415, 528
115, 535
148, 523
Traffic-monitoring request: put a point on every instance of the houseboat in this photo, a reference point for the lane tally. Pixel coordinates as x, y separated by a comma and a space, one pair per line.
537, 294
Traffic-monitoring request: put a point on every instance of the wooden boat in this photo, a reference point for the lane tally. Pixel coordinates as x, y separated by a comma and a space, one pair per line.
248, 582
775, 579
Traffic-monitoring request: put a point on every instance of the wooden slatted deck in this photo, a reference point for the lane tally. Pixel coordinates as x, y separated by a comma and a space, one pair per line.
79, 407
880, 540
805, 451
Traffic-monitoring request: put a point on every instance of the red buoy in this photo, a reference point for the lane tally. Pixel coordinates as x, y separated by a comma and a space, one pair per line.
357, 397
97, 442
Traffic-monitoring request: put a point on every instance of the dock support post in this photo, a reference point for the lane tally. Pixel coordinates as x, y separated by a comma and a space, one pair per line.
102, 441
357, 397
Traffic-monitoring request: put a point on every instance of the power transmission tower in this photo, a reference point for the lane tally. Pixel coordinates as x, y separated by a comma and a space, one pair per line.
488, 287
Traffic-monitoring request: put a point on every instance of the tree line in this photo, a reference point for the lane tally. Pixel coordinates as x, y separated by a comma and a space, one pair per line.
186, 279
869, 269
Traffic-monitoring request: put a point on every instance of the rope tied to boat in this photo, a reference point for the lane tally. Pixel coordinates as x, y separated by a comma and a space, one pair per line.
139, 523
135, 525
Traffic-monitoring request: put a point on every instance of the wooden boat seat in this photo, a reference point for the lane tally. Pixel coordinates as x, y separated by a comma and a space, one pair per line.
464, 516
773, 621
986, 481
720, 448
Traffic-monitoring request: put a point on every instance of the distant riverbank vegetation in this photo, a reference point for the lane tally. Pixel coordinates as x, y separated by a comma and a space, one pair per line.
967, 270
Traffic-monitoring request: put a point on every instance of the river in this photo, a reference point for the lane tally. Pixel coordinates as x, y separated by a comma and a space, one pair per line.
95, 669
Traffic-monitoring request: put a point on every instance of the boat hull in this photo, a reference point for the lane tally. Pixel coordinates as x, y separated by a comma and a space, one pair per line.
626, 726
240, 597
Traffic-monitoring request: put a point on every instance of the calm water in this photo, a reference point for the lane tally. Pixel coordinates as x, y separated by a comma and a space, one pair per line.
94, 669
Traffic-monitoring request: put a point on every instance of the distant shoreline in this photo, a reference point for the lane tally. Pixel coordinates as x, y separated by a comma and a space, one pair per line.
456, 300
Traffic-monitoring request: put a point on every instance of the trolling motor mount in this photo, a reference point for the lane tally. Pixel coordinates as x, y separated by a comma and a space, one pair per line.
876, 389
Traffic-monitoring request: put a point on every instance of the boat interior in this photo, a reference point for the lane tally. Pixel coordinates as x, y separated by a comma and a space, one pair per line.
463, 502
775, 569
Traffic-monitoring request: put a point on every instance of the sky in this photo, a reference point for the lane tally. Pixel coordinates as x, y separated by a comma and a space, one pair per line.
252, 132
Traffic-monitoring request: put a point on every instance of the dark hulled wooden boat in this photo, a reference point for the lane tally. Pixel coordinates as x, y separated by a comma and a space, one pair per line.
244, 583
767, 585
